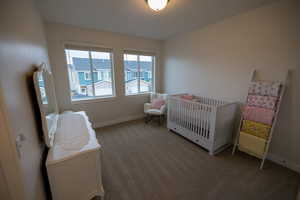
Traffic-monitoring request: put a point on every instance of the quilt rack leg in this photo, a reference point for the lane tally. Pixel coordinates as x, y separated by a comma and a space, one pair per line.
262, 164
237, 137
235, 145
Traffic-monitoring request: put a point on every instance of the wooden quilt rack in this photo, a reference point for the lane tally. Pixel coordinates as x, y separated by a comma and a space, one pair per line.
275, 118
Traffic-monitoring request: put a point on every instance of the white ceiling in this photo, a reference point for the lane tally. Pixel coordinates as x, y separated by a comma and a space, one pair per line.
134, 17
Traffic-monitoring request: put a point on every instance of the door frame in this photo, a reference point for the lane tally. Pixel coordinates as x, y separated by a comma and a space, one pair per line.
9, 158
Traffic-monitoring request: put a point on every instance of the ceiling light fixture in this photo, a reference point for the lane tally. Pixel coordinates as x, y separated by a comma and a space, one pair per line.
157, 5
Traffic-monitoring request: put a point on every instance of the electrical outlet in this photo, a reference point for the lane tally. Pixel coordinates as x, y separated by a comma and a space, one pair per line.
283, 162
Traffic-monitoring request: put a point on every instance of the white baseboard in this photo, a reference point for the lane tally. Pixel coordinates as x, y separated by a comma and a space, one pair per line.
117, 121
284, 162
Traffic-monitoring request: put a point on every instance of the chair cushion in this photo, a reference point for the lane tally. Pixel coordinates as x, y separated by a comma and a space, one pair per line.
154, 112
157, 103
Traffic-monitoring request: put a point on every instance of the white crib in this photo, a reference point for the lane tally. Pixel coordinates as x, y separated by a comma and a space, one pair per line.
205, 121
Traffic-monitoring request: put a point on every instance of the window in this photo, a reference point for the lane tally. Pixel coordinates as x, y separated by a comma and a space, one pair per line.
83, 90
138, 70
85, 67
87, 76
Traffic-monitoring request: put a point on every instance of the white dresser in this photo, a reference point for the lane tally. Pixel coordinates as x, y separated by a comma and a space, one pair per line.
74, 157
74, 161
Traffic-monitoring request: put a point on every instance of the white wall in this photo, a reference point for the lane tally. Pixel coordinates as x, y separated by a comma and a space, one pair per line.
106, 111
23, 46
216, 61
4, 192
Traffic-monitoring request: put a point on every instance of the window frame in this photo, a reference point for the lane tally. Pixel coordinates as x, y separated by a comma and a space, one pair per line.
92, 48
138, 54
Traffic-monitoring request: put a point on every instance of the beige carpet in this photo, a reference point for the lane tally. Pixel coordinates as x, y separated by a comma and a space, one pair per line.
147, 162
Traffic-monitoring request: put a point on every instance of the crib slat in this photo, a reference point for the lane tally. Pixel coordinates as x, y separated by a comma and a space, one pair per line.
202, 120
195, 118
170, 110
187, 114
199, 119
174, 109
179, 112
184, 114
191, 117
206, 121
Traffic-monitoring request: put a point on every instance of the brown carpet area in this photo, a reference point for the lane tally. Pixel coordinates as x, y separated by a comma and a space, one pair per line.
147, 162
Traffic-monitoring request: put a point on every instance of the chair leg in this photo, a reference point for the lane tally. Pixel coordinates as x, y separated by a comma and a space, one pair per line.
147, 119
161, 118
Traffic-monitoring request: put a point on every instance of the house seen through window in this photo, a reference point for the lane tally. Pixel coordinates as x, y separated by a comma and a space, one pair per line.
138, 71
90, 73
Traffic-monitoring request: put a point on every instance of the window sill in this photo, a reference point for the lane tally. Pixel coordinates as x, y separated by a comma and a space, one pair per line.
138, 94
94, 100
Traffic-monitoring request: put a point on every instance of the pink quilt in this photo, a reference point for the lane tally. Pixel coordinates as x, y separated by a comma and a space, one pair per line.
262, 101
260, 115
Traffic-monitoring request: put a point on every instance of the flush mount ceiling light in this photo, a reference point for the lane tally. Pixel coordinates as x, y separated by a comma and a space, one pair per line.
157, 5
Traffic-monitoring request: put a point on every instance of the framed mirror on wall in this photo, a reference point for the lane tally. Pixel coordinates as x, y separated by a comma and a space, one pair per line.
45, 92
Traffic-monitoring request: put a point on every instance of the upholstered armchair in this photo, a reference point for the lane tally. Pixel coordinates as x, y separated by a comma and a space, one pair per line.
156, 108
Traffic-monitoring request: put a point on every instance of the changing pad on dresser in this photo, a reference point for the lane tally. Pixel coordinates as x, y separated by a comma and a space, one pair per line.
74, 136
